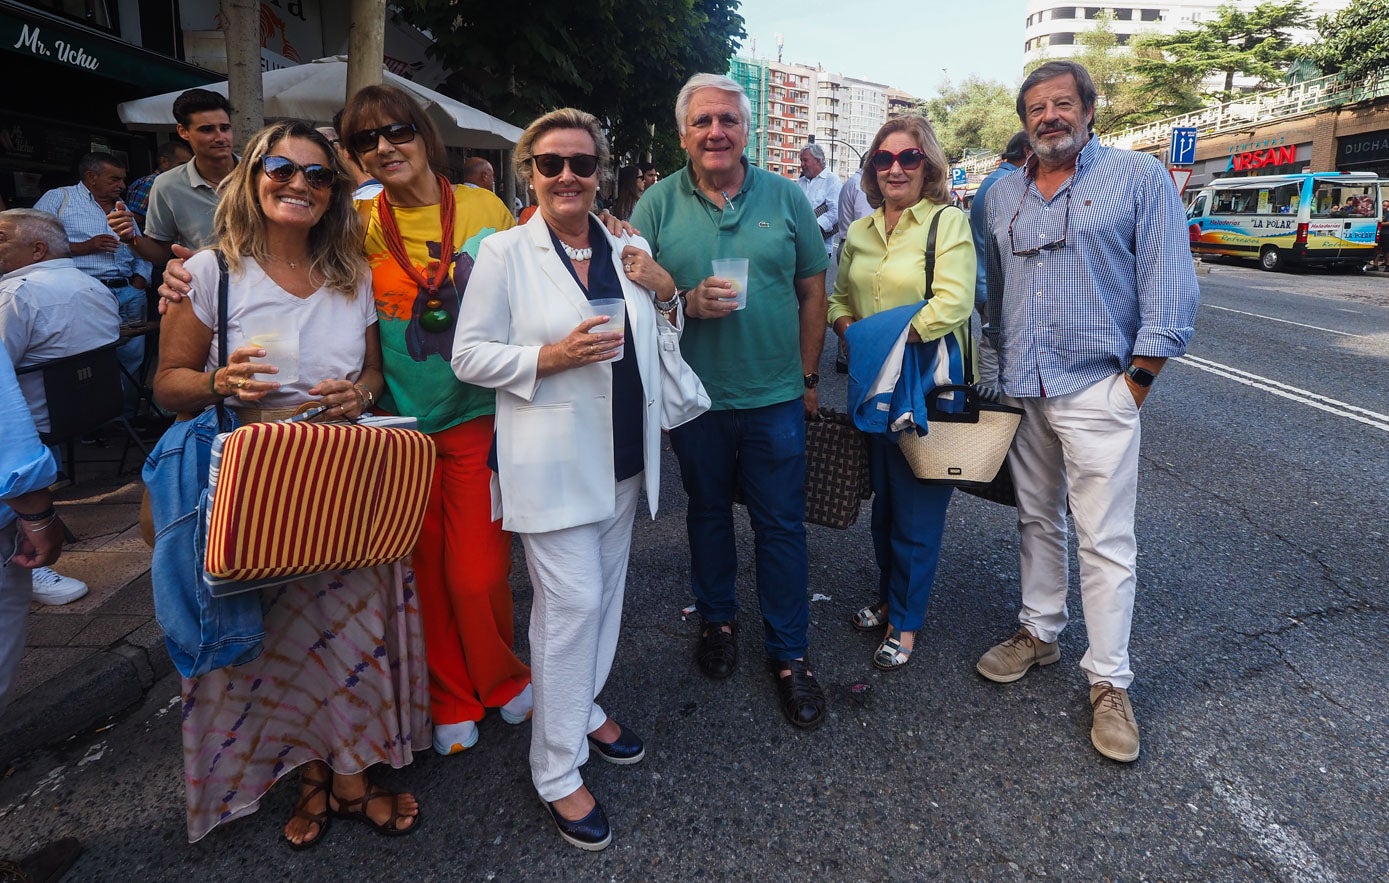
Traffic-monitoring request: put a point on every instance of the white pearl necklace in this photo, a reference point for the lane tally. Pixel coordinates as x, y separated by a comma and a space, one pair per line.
577, 254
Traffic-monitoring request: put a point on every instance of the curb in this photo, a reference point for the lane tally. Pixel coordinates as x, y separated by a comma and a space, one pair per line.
86, 695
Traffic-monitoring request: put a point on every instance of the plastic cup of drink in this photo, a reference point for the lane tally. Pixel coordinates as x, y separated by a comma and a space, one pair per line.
280, 340
734, 270
616, 308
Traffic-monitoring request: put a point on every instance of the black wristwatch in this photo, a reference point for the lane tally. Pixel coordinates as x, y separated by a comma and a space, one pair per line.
1140, 376
812, 380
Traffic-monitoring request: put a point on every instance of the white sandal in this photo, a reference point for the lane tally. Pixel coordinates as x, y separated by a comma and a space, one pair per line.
891, 654
871, 618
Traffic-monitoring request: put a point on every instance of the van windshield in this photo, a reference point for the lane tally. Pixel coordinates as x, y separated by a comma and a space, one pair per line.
1340, 199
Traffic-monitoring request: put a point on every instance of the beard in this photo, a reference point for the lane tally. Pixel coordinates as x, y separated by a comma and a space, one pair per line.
1056, 150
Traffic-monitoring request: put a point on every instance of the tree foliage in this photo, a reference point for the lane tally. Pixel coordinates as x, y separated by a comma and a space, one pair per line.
1355, 41
1249, 42
624, 61
977, 113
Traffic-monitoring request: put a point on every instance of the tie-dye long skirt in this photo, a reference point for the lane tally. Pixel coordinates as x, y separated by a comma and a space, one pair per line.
342, 679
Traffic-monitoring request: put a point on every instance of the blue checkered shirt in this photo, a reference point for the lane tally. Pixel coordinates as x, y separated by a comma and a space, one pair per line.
1122, 286
83, 218
137, 195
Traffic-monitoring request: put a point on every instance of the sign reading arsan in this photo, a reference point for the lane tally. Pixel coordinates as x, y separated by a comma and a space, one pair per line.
1257, 159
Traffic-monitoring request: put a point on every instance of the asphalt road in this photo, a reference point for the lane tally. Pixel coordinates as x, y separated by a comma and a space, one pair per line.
1258, 645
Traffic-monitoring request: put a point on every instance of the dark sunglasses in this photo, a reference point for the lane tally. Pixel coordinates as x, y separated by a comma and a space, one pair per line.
282, 171
551, 164
909, 159
366, 140
1055, 244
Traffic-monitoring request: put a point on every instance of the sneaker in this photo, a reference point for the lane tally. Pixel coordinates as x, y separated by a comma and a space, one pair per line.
520, 708
54, 589
1114, 732
1006, 662
454, 738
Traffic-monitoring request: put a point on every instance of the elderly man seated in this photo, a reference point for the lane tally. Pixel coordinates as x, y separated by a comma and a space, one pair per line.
48, 309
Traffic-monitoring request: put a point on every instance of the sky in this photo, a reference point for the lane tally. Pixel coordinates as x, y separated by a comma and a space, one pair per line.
909, 44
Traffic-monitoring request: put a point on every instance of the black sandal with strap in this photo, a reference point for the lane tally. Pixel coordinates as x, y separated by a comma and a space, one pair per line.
356, 808
301, 809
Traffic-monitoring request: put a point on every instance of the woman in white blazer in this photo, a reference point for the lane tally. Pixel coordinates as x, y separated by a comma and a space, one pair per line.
577, 436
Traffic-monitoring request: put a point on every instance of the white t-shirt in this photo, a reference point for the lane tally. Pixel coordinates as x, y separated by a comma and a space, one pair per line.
332, 327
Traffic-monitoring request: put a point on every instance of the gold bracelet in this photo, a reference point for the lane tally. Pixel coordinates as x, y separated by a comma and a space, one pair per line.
366, 395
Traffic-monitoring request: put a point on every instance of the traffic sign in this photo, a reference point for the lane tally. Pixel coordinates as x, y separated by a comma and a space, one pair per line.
1183, 151
1180, 177
958, 178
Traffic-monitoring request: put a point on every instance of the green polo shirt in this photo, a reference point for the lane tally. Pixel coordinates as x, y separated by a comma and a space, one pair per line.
181, 207
750, 358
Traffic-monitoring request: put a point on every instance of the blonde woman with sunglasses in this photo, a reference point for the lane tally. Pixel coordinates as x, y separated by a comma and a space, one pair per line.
580, 405
883, 267
341, 683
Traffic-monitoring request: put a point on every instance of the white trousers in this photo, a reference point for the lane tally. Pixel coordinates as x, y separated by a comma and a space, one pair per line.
1082, 449
578, 575
16, 587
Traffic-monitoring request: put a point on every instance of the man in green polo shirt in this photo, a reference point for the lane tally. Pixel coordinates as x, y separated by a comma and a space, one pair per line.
182, 202
758, 365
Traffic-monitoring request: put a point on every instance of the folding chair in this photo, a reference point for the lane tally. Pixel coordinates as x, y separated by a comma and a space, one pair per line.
84, 394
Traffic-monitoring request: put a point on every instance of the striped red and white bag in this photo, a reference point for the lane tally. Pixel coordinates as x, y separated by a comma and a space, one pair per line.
290, 499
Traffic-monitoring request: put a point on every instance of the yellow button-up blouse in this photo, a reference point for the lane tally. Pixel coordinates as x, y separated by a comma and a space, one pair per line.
877, 273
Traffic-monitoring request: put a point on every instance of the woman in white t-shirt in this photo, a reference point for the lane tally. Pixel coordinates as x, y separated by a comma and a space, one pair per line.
342, 683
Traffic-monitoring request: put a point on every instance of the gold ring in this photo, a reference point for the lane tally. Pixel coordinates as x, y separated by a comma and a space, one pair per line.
241, 384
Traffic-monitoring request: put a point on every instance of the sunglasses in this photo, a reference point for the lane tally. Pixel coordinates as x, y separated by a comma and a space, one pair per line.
366, 140
1055, 244
282, 170
551, 164
909, 159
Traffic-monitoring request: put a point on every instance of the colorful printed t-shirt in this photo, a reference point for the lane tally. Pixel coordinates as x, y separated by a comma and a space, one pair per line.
419, 379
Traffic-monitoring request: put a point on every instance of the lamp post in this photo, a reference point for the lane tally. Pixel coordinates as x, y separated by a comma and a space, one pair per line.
856, 151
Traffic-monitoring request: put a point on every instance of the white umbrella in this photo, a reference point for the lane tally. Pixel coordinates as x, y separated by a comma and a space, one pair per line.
315, 91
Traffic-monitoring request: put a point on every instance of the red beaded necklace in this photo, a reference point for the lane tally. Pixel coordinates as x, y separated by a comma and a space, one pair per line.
434, 317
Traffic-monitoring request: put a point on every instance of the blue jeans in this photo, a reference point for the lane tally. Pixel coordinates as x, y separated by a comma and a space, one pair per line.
131, 304
16, 585
908, 520
762, 449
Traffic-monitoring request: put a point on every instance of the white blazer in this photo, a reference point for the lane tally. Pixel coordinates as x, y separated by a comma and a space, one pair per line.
554, 434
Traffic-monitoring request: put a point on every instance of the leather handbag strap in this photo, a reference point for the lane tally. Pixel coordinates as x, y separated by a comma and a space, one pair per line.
223, 297
931, 281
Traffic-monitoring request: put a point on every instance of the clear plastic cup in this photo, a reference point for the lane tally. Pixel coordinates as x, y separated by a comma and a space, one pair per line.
615, 307
280, 340
736, 271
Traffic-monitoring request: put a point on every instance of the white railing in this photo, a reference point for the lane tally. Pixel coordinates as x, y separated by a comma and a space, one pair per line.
1257, 109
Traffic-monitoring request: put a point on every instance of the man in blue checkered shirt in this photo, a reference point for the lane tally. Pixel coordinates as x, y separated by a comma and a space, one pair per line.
1091, 289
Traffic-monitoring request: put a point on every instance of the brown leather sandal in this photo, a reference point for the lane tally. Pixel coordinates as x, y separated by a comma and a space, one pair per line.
356, 808
301, 811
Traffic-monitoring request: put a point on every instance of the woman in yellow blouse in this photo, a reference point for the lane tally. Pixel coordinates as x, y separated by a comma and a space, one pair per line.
883, 266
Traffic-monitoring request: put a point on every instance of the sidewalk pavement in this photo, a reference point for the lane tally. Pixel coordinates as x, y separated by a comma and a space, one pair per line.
87, 661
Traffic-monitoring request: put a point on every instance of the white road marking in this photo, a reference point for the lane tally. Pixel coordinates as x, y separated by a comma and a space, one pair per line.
1284, 321
1291, 393
1295, 858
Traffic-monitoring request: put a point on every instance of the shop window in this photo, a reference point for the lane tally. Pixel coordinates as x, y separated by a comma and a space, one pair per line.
97, 13
1152, 14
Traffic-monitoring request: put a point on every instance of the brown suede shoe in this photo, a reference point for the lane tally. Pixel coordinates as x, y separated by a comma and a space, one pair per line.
1006, 662
1114, 732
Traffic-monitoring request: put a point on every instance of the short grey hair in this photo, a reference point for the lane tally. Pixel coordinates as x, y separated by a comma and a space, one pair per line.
816, 151
32, 225
93, 162
711, 81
